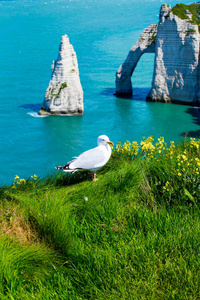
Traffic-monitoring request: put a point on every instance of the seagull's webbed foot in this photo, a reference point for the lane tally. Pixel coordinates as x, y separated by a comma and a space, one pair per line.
94, 176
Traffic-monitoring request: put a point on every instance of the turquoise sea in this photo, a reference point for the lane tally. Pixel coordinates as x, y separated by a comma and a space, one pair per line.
102, 32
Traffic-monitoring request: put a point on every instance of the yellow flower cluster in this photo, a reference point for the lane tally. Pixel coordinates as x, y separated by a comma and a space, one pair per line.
194, 143
17, 181
180, 163
34, 177
147, 145
160, 145
151, 150
21, 181
187, 163
184, 164
166, 187
127, 150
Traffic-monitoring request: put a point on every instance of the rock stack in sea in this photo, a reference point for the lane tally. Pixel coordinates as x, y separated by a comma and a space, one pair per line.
175, 42
64, 94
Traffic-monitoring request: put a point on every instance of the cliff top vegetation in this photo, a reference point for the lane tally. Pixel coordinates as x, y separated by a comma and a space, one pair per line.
194, 8
133, 234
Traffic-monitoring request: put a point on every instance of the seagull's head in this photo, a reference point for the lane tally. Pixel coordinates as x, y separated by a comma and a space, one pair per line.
104, 140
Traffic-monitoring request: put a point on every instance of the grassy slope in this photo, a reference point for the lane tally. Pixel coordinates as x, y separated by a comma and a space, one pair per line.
117, 238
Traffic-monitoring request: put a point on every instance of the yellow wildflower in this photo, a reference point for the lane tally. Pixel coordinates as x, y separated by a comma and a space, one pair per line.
22, 181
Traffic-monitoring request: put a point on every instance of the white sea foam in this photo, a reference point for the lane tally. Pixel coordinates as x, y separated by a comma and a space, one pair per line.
36, 115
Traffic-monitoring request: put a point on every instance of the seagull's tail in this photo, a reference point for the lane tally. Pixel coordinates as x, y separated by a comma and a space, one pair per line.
59, 168
65, 168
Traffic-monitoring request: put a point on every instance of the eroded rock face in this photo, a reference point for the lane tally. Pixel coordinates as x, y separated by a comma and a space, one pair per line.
145, 44
175, 75
176, 68
64, 94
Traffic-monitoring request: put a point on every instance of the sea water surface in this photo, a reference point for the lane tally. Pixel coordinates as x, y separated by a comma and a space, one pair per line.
102, 32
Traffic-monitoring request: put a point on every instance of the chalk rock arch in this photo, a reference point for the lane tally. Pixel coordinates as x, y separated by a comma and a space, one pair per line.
176, 44
145, 44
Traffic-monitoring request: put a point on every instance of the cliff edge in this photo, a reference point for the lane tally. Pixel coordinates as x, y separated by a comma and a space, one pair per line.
175, 42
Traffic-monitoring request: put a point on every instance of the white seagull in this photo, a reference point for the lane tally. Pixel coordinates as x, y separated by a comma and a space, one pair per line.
92, 159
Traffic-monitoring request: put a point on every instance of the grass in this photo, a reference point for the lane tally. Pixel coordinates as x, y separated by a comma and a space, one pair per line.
191, 31
179, 10
134, 234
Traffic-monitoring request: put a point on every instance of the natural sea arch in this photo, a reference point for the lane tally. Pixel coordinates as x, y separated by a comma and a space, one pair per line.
144, 45
143, 73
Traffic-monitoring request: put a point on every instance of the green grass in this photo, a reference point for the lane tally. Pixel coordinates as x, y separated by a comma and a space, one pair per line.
130, 235
191, 31
179, 10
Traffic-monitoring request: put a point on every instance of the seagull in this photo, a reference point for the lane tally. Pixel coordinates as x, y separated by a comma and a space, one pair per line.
92, 159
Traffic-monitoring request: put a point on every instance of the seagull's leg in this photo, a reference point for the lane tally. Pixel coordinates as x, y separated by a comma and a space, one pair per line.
94, 176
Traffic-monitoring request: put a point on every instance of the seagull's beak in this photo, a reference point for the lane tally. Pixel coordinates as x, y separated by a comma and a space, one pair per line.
110, 143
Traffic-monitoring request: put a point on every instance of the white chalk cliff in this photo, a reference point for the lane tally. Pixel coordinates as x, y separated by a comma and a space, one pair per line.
64, 94
176, 76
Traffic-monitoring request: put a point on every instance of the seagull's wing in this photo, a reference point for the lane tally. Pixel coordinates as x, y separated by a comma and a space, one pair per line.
91, 159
